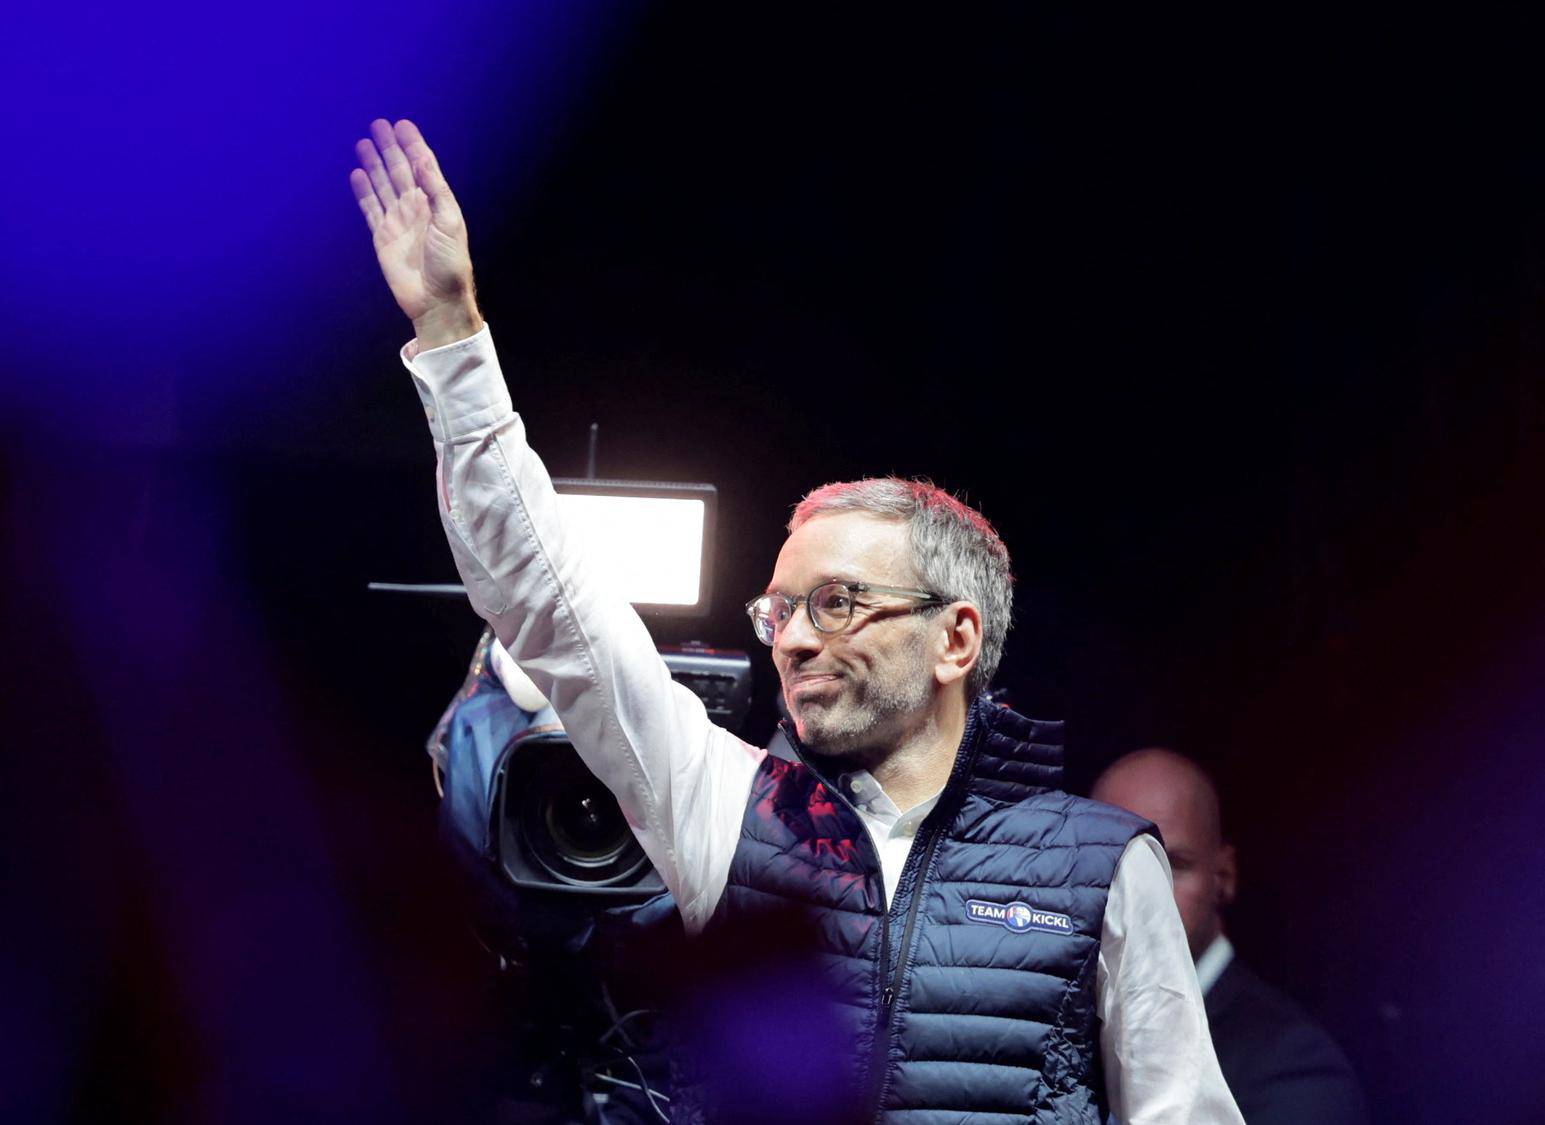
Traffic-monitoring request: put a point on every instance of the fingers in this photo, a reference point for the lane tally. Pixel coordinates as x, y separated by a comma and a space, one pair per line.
365, 196
425, 168
397, 168
375, 172
411, 140
393, 161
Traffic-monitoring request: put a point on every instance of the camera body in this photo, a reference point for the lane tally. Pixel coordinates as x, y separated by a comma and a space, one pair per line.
559, 831
545, 841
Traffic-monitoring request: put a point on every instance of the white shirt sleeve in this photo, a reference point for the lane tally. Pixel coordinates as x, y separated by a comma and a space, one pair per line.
1157, 1050
681, 781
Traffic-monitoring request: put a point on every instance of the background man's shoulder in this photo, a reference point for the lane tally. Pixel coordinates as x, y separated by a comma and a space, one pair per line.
1279, 1063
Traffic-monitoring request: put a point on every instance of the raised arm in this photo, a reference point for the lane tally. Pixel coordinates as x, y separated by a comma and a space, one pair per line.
681, 781
419, 234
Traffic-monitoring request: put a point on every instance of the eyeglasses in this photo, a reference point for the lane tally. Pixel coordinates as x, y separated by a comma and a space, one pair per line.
830, 606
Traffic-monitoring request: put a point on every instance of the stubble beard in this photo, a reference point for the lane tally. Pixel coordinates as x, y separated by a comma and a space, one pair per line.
868, 717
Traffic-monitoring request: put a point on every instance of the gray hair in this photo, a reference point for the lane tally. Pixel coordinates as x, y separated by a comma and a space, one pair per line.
955, 551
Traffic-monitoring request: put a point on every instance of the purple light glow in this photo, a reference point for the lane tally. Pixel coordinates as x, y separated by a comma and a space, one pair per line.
176, 197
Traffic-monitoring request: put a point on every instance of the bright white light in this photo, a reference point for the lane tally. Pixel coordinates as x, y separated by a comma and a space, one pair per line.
651, 547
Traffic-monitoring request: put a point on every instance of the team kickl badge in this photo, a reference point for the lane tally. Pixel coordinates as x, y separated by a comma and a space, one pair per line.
1018, 917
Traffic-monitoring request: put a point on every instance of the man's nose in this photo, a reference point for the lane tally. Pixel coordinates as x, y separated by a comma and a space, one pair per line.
798, 635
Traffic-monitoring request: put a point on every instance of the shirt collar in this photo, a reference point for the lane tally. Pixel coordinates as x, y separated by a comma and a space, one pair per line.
1212, 962
861, 788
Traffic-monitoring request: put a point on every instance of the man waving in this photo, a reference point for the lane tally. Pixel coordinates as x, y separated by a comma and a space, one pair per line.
990, 945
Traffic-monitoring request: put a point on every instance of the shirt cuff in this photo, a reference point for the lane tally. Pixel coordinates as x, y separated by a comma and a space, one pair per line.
460, 385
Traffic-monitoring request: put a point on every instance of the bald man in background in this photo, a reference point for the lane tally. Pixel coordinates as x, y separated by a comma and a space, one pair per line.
1282, 1068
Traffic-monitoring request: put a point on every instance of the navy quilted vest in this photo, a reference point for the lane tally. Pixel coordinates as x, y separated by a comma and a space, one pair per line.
953, 1009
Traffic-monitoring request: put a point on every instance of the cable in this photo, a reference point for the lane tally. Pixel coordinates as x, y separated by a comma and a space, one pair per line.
642, 1085
645, 1090
611, 1011
650, 1094
620, 1020
623, 1082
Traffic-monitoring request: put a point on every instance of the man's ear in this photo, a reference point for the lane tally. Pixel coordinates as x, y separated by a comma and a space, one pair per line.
959, 639
1228, 874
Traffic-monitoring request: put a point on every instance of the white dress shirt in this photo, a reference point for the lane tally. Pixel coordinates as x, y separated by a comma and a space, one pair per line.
683, 782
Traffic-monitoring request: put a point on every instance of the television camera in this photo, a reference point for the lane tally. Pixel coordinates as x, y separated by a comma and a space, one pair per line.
557, 878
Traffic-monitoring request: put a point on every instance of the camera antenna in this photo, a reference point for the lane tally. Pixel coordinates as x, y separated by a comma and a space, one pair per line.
595, 437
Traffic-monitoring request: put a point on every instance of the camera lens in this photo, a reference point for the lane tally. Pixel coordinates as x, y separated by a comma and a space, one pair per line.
586, 824
570, 823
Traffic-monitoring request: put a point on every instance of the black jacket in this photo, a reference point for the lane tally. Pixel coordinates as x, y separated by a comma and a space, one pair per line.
1282, 1068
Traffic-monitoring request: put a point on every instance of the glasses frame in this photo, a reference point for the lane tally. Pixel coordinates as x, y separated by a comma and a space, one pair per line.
929, 600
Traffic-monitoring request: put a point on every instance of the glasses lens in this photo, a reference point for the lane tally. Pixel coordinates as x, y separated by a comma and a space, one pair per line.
768, 614
831, 607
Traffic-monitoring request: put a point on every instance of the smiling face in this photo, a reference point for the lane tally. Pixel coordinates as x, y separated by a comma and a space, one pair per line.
862, 690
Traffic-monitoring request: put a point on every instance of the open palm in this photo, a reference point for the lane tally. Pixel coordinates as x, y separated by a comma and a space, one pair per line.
419, 234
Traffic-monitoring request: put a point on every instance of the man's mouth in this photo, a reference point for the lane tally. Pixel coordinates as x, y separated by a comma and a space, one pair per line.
811, 681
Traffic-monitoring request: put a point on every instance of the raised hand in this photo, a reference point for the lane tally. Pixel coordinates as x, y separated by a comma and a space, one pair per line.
419, 234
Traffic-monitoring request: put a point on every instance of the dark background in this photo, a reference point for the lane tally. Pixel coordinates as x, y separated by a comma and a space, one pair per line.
1233, 330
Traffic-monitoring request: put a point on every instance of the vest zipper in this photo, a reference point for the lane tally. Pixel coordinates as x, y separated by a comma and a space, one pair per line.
879, 1063
863, 835
934, 824
882, 1043
888, 993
